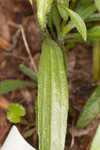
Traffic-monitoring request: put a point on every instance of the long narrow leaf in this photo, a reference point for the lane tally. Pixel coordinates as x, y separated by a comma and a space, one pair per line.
84, 3
62, 11
90, 110
28, 72
52, 98
43, 8
10, 85
92, 34
56, 18
94, 17
78, 22
96, 141
97, 2
85, 13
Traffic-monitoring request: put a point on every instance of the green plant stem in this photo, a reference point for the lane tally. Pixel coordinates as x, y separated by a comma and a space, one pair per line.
96, 61
63, 25
51, 26
73, 4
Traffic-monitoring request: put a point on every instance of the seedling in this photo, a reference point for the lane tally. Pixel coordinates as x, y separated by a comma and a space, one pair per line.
56, 20
48, 81
10, 85
15, 112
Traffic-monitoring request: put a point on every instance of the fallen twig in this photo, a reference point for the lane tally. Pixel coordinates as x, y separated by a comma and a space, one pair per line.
26, 44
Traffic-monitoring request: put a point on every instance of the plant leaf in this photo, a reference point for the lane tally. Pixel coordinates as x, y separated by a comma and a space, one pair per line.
94, 17
94, 33
10, 85
83, 3
43, 8
50, 25
96, 141
97, 2
78, 22
52, 98
15, 112
85, 13
28, 72
62, 11
90, 110
56, 18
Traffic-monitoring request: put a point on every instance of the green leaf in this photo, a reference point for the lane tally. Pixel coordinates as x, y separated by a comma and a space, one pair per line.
96, 141
96, 61
10, 85
97, 2
94, 33
73, 4
52, 98
36, 106
84, 3
28, 72
56, 18
50, 25
78, 22
90, 110
94, 17
85, 13
62, 11
43, 8
15, 112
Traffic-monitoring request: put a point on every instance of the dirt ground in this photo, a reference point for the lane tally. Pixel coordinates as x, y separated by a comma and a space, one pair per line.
17, 15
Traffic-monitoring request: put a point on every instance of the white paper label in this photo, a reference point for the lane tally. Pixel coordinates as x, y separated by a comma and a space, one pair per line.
15, 141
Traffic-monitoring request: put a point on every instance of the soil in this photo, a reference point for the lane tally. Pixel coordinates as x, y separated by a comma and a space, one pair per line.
14, 52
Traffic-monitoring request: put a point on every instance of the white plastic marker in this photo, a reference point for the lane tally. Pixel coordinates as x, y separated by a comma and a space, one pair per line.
15, 141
